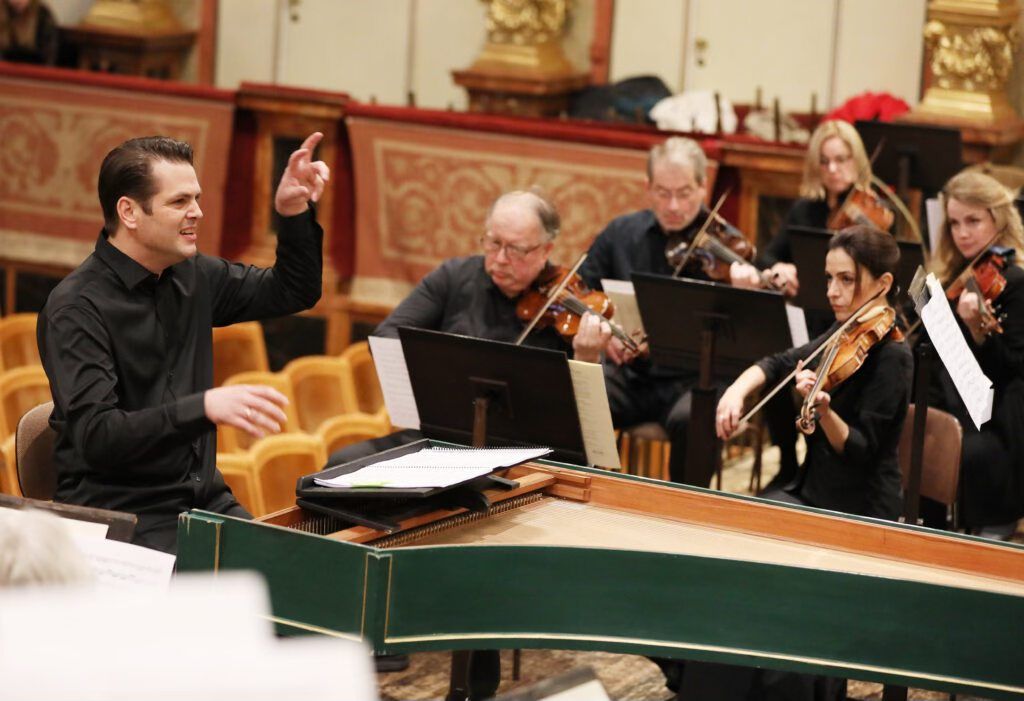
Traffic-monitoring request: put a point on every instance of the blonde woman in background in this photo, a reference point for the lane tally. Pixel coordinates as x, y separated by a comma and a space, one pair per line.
980, 218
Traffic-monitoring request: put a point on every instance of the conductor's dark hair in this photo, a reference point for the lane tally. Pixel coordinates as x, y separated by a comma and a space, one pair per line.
873, 250
127, 171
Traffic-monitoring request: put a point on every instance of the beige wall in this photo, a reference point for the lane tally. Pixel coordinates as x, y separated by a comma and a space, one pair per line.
647, 39
877, 55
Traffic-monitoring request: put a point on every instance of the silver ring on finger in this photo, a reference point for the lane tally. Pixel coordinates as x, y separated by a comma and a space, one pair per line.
248, 413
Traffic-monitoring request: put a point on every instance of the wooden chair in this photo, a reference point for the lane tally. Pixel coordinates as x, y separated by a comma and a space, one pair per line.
34, 445
644, 450
239, 473
940, 463
18, 346
9, 473
364, 376
238, 348
323, 388
20, 390
232, 440
280, 460
346, 429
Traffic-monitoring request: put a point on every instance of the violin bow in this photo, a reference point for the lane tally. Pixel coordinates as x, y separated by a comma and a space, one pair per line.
822, 346
703, 230
552, 296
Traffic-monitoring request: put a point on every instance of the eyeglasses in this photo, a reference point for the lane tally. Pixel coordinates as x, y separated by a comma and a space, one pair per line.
493, 246
682, 194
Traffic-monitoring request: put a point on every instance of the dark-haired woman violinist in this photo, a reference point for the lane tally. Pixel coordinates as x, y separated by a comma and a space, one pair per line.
850, 465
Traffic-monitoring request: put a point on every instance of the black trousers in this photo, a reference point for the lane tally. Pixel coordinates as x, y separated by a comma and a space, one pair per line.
636, 397
160, 531
711, 681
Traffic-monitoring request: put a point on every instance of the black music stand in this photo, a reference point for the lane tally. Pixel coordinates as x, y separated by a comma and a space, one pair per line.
479, 392
913, 155
736, 327
810, 246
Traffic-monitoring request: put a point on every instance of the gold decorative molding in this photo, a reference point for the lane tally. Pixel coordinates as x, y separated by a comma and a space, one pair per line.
969, 46
138, 16
525, 36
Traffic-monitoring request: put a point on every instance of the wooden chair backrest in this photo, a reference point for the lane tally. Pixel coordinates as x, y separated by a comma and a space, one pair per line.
238, 348
940, 465
9, 474
239, 473
280, 461
34, 445
18, 341
323, 388
346, 429
20, 390
364, 376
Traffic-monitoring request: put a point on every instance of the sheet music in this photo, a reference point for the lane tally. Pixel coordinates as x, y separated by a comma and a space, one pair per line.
433, 467
395, 385
797, 325
627, 313
972, 384
117, 564
594, 412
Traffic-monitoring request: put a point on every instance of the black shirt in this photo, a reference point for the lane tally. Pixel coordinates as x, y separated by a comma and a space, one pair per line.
460, 297
636, 243
129, 356
804, 212
865, 478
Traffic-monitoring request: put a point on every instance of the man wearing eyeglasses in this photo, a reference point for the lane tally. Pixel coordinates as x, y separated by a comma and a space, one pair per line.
639, 391
477, 295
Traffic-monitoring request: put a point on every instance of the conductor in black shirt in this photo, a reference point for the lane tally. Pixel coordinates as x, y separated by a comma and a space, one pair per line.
127, 345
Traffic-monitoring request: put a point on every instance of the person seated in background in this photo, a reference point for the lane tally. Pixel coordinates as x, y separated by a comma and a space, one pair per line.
835, 163
981, 220
850, 464
28, 32
477, 295
638, 390
126, 338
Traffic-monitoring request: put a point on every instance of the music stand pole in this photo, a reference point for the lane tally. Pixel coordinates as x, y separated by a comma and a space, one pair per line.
702, 447
923, 355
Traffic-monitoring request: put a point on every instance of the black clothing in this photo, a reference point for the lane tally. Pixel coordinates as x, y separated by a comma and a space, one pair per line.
804, 212
459, 297
865, 478
129, 357
456, 297
992, 461
643, 391
779, 415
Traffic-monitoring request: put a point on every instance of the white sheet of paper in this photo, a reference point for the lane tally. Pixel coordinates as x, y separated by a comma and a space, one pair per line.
934, 215
797, 325
972, 384
434, 467
118, 564
113, 645
595, 414
623, 296
393, 376
85, 529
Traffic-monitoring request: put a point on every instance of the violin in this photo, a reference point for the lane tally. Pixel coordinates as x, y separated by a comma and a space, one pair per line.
559, 298
984, 277
717, 247
861, 206
845, 356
